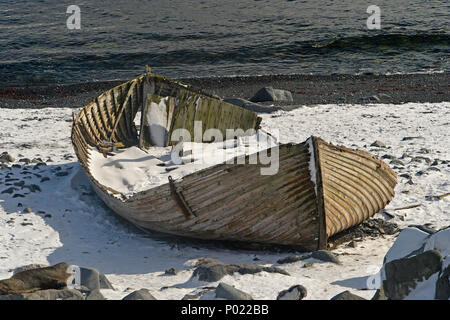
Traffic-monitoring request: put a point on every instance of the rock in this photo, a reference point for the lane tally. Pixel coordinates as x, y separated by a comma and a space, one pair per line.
405, 175
378, 144
142, 294
5, 157
255, 107
443, 285
347, 295
210, 273
90, 278
420, 159
27, 210
205, 261
308, 265
171, 272
403, 274
54, 277
25, 160
396, 162
325, 256
215, 272
104, 282
51, 294
388, 156
228, 292
271, 94
45, 179
411, 138
423, 228
95, 295
424, 151
196, 294
352, 244
29, 267
379, 294
297, 292
292, 259
10, 190
32, 188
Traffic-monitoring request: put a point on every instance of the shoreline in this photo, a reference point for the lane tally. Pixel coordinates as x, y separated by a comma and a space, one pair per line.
306, 90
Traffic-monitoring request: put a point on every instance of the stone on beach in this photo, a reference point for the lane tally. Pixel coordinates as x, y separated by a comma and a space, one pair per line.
28, 281
142, 294
255, 107
5, 157
271, 94
417, 266
50, 294
228, 292
297, 292
212, 272
347, 295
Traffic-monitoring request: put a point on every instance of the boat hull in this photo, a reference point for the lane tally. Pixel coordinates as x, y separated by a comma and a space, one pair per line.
319, 189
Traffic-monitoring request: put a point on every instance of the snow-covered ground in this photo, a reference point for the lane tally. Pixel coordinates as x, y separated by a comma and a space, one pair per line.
69, 223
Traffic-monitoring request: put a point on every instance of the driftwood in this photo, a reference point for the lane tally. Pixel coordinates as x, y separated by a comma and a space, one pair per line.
408, 207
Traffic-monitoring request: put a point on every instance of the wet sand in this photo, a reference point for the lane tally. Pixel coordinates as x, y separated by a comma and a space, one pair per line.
306, 90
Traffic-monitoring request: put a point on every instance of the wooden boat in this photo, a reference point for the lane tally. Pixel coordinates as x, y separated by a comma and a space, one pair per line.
320, 189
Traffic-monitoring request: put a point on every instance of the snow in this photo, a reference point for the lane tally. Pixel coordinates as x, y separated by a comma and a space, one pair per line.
312, 164
82, 231
133, 170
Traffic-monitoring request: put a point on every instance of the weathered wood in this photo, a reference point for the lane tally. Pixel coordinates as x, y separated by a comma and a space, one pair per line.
233, 200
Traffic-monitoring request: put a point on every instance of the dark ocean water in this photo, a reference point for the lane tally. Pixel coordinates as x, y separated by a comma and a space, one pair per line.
187, 38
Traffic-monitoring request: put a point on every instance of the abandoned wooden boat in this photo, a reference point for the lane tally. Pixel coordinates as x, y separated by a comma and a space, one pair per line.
319, 190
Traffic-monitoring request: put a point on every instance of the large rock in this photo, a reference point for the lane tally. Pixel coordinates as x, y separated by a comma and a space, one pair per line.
51, 294
30, 267
54, 277
255, 107
93, 279
297, 292
443, 285
228, 292
216, 270
347, 295
325, 256
95, 295
403, 274
142, 294
5, 157
271, 94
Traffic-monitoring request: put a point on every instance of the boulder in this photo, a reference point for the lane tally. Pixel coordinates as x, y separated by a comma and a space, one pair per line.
142, 294
443, 285
95, 295
228, 292
30, 267
347, 295
255, 107
93, 279
213, 272
271, 94
325, 256
297, 292
54, 277
403, 274
51, 294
